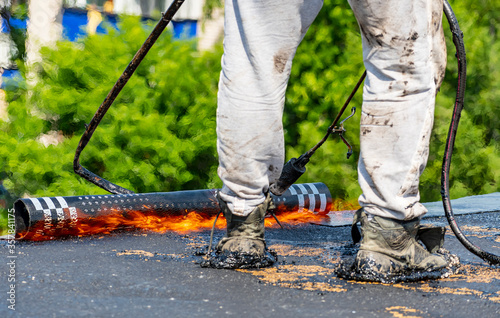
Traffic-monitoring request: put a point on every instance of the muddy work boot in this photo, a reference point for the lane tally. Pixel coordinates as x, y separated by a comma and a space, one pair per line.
390, 251
244, 245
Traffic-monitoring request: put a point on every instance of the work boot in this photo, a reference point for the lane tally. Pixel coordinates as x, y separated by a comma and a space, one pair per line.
389, 248
244, 245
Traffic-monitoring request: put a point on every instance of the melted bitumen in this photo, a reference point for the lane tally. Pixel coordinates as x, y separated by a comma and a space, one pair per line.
234, 260
345, 269
348, 270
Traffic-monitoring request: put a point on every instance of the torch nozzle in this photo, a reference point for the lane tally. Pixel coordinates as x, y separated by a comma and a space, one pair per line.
292, 170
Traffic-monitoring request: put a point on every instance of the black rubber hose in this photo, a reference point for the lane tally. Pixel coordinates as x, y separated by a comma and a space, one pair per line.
110, 98
450, 141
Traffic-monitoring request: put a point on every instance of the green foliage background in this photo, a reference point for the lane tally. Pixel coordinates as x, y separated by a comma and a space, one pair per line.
329, 63
159, 135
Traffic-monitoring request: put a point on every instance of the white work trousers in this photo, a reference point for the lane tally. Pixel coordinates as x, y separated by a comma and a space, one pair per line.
405, 57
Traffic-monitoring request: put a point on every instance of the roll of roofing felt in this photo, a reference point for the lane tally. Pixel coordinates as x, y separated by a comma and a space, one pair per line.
59, 216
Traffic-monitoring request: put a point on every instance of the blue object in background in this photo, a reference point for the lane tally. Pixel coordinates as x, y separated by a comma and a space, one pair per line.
10, 73
74, 22
11, 79
4, 26
18, 23
185, 29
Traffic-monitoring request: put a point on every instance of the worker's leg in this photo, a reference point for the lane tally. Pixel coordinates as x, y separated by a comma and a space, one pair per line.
405, 56
260, 41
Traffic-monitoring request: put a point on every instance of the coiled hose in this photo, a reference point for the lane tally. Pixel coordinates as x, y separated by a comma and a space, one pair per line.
450, 141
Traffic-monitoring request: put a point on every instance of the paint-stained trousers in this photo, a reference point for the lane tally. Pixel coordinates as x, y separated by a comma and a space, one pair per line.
404, 55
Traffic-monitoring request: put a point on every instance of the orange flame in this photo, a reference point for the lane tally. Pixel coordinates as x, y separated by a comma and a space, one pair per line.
182, 224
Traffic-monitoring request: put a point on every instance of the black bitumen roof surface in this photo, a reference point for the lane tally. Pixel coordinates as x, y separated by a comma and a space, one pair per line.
140, 274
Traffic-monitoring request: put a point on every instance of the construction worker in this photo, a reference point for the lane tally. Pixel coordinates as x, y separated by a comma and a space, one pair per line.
404, 55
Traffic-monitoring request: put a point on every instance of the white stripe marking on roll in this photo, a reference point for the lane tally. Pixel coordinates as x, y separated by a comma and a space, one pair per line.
301, 202
62, 202
60, 214
322, 198
36, 203
47, 217
73, 214
313, 188
292, 190
49, 202
312, 203
302, 188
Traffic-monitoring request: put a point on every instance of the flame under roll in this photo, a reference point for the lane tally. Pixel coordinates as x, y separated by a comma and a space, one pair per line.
62, 214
